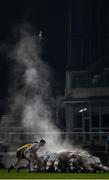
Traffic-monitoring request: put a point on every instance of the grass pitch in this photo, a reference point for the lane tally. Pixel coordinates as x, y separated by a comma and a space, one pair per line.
27, 175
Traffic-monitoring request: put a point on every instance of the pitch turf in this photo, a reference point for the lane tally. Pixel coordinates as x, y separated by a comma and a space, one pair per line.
26, 175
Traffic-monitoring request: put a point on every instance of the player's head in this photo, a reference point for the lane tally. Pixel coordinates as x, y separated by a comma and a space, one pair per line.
42, 142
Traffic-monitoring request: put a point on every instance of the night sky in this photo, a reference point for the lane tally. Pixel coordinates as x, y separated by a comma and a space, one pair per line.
48, 16
51, 16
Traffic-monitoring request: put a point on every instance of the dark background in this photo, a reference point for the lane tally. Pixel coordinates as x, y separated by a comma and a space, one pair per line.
90, 34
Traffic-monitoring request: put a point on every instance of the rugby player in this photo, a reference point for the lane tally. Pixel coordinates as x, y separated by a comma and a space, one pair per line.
28, 152
48, 160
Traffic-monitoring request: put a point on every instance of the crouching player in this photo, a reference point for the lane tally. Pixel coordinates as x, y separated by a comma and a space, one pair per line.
49, 160
93, 164
98, 165
28, 152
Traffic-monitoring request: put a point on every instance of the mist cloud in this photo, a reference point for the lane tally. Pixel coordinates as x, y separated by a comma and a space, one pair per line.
31, 98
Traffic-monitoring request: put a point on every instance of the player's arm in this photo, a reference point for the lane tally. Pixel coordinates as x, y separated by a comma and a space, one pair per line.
36, 157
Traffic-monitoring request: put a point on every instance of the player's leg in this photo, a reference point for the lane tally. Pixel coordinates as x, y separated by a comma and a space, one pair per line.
48, 165
56, 165
88, 168
103, 168
17, 165
18, 158
31, 164
29, 156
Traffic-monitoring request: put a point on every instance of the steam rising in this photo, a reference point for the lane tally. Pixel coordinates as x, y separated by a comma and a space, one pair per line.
33, 98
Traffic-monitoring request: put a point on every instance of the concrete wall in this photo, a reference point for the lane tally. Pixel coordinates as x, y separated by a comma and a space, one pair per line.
89, 92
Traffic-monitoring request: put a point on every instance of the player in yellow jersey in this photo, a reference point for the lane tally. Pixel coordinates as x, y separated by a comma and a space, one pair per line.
28, 152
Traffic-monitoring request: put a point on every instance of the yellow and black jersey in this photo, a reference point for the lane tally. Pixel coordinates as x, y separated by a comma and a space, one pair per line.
21, 149
24, 147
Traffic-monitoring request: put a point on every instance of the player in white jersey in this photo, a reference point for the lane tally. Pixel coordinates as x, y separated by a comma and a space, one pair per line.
51, 159
93, 164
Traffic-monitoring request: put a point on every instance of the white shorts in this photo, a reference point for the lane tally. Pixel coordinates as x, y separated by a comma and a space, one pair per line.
27, 153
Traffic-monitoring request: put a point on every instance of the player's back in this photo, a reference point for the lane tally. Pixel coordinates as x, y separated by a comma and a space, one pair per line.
25, 146
33, 147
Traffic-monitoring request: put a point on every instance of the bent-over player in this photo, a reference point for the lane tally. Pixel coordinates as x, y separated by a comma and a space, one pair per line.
28, 152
